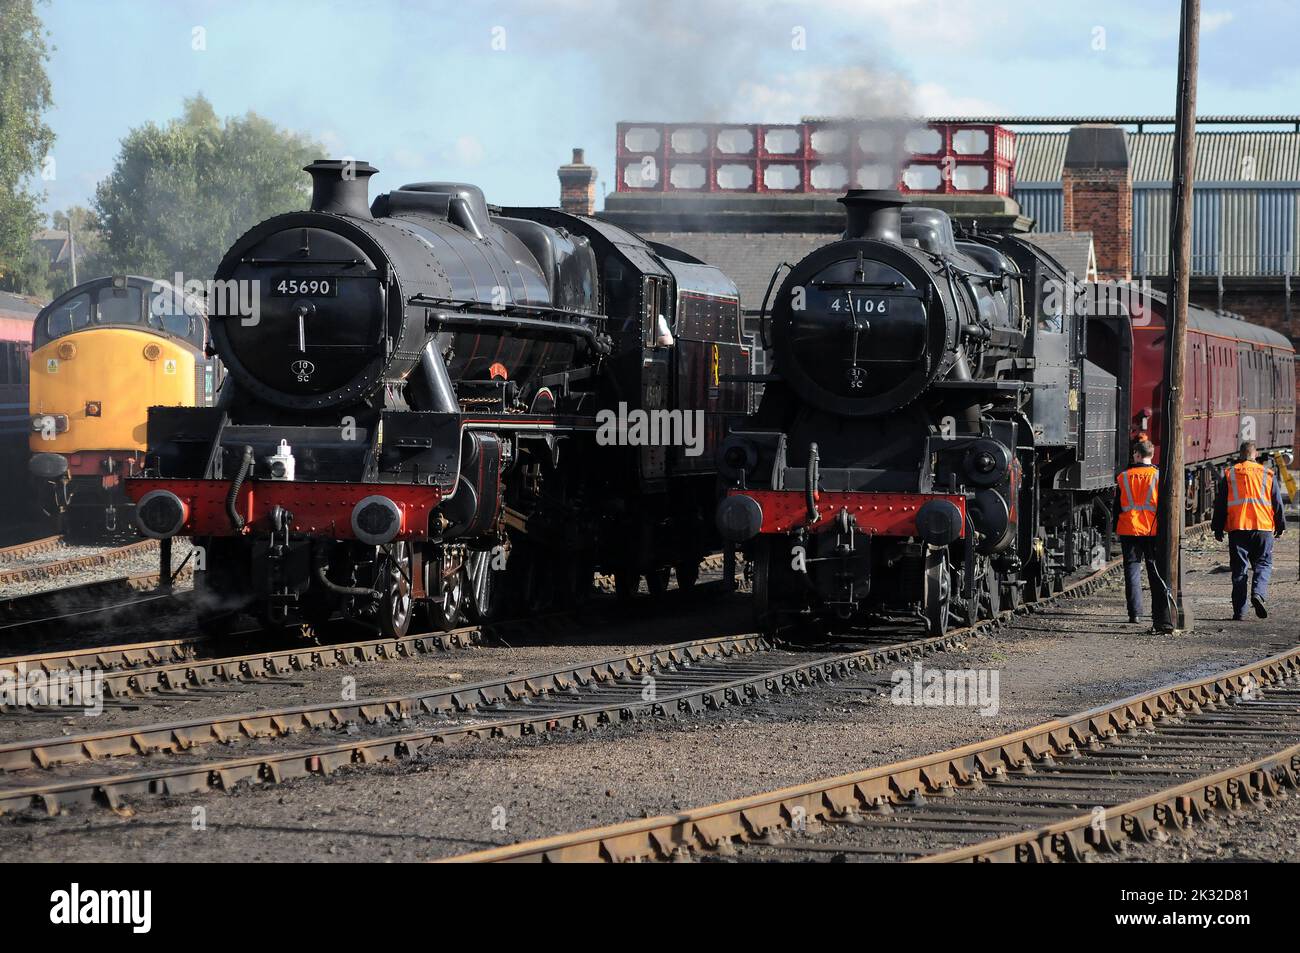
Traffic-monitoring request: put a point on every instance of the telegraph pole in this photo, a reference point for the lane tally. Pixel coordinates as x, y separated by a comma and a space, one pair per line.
72, 250
1171, 507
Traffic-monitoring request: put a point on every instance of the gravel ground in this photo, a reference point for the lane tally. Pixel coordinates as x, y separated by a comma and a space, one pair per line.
482, 793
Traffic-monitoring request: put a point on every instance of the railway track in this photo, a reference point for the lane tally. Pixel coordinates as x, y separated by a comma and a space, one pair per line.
106, 658
1150, 765
113, 766
36, 547
62, 567
173, 665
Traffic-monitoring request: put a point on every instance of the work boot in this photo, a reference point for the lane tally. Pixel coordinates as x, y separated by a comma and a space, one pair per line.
1261, 609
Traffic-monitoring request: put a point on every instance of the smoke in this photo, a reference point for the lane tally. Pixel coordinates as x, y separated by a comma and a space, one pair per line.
766, 61
738, 61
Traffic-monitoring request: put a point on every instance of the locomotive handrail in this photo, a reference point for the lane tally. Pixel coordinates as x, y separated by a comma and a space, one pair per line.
503, 320
300, 261
762, 314
905, 292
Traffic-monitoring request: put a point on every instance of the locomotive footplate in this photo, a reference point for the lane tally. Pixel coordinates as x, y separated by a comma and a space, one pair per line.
317, 509
878, 514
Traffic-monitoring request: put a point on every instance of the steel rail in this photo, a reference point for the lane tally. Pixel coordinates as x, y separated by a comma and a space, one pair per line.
63, 567
172, 664
30, 548
1142, 819
444, 700
559, 714
561, 689
765, 818
276, 766
105, 658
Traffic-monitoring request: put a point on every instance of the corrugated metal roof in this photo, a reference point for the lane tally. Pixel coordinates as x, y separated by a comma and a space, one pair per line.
1220, 156
1040, 156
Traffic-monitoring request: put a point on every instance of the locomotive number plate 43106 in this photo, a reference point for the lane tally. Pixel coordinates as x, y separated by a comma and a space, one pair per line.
305, 287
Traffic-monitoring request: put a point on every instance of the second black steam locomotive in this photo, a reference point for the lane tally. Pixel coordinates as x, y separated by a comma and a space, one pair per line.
933, 441
412, 415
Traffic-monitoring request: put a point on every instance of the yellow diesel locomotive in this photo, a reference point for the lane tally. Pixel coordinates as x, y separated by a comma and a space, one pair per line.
103, 353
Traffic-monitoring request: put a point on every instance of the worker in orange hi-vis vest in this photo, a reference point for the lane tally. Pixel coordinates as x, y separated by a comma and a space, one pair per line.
1135, 522
1249, 509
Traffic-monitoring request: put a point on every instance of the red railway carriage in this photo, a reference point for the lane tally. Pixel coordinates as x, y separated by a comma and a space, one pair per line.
16, 316
1239, 379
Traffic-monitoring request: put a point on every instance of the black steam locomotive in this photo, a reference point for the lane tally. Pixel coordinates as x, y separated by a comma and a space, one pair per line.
933, 441
416, 396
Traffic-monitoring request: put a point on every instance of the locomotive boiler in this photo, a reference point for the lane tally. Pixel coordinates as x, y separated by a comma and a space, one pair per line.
932, 442
409, 421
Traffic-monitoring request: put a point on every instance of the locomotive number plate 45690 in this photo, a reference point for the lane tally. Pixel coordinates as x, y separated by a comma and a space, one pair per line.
305, 287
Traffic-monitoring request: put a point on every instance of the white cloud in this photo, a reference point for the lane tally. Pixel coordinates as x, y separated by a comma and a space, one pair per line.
333, 143
1214, 19
951, 24
466, 150
933, 99
409, 159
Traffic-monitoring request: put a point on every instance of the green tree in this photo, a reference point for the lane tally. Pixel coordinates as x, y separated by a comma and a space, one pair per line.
88, 242
24, 142
179, 194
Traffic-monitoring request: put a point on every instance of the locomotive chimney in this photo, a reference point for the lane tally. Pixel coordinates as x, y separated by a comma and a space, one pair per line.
341, 186
874, 213
578, 186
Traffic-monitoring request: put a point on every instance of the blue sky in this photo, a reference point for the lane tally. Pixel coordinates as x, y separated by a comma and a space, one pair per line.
497, 92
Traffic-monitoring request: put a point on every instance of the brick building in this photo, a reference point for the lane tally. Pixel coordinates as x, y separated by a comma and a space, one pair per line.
1112, 177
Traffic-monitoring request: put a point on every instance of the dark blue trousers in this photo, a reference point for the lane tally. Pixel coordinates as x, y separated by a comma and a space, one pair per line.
1249, 549
1138, 550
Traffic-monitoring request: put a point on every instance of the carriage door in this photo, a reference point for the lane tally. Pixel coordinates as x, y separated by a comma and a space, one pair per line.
656, 364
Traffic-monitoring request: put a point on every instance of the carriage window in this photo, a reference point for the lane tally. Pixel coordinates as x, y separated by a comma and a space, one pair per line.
72, 315
118, 306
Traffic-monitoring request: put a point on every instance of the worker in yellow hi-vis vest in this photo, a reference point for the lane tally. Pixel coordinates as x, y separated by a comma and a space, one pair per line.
1249, 509
1135, 522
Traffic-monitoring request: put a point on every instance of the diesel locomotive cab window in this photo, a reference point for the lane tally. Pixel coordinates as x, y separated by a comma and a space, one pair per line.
173, 313
118, 306
68, 317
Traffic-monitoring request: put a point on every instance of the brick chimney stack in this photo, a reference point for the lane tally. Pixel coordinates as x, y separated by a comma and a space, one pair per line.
578, 186
1097, 187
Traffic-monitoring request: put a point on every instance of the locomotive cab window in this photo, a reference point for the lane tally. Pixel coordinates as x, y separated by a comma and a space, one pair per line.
118, 306
72, 315
656, 321
174, 314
